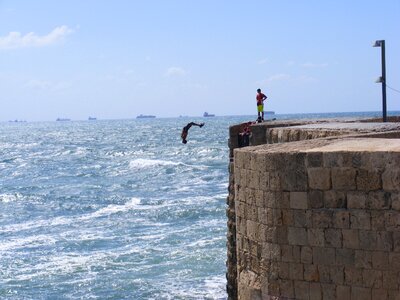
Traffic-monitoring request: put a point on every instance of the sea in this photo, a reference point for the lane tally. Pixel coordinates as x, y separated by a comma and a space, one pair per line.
116, 209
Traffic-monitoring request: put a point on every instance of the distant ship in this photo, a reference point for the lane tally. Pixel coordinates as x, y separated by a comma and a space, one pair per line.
206, 115
269, 112
145, 116
17, 121
63, 119
92, 119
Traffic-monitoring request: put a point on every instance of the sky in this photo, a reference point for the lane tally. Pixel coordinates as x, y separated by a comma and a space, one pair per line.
118, 59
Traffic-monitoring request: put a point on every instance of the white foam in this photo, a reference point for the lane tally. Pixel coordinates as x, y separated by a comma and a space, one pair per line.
215, 287
112, 209
205, 242
142, 163
108, 210
27, 242
10, 197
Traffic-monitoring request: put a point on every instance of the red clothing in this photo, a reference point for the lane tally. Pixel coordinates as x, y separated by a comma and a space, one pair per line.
260, 97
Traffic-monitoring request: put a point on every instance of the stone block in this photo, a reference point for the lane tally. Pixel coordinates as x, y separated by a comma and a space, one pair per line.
343, 292
322, 218
378, 200
379, 294
252, 230
360, 219
394, 261
275, 181
353, 276
378, 219
324, 273
259, 198
316, 237
298, 200
283, 272
323, 256
287, 253
311, 273
269, 288
306, 255
360, 293
295, 180
297, 236
331, 159
253, 161
368, 239
301, 218
333, 238
345, 257
287, 289
296, 271
395, 200
384, 240
356, 200
334, 199
393, 295
350, 238
337, 274
396, 241
287, 217
319, 178
363, 259
297, 254
314, 159
391, 179
301, 289
372, 279
343, 179
315, 291
380, 260
390, 280
328, 291
282, 235
316, 199
368, 180
341, 219
392, 220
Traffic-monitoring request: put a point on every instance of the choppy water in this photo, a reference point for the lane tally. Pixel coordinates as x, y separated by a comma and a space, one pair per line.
113, 209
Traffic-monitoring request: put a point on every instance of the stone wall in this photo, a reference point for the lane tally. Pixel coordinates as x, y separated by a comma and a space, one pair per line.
275, 132
316, 220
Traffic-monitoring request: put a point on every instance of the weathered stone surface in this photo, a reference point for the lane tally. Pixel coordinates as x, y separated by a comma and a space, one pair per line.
319, 178
316, 219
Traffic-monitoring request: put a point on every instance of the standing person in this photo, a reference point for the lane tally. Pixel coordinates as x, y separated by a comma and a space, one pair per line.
185, 130
260, 105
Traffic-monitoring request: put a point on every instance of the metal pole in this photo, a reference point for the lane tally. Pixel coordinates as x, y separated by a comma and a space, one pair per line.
383, 81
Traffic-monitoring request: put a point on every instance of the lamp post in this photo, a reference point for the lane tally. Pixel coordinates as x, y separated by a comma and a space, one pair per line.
382, 79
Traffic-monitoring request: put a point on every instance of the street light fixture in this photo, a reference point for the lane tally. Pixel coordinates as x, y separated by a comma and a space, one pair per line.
382, 79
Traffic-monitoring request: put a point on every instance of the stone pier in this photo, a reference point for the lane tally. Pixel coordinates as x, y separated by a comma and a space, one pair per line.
314, 211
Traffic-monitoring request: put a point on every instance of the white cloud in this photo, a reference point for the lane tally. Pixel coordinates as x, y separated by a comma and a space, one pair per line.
16, 40
175, 71
314, 65
262, 61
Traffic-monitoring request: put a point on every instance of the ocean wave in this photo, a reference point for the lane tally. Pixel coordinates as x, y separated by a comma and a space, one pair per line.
58, 221
113, 209
142, 163
10, 197
27, 242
